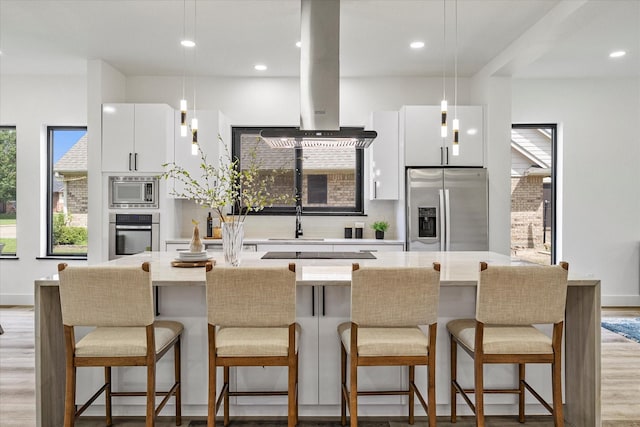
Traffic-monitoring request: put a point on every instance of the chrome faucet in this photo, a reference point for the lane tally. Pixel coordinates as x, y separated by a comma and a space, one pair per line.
298, 221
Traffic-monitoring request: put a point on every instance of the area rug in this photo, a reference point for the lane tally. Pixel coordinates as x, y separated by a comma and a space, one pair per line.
627, 327
283, 423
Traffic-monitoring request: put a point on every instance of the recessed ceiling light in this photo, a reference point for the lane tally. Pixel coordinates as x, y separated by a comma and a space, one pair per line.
472, 131
108, 109
416, 45
188, 43
260, 67
617, 54
298, 44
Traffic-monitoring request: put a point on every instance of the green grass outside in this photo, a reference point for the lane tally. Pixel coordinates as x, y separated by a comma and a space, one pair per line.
70, 249
7, 218
9, 246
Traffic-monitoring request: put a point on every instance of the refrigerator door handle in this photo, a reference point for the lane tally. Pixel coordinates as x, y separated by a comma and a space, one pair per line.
447, 220
442, 219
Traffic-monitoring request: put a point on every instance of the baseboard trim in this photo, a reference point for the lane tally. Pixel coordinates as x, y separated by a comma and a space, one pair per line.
16, 299
620, 301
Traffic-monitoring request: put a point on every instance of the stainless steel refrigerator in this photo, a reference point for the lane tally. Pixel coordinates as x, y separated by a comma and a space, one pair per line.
447, 209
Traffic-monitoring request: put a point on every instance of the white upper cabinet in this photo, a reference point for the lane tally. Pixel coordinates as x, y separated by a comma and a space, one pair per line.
420, 131
136, 137
383, 156
207, 140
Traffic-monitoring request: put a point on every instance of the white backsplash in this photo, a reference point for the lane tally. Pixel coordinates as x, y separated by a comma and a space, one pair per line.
283, 226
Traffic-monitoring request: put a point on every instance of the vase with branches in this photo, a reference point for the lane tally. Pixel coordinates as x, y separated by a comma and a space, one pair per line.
229, 186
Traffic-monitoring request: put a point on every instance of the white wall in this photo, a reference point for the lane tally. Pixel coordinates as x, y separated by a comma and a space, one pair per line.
31, 103
600, 151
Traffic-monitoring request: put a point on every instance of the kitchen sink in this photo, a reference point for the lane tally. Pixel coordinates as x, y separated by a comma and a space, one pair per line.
303, 239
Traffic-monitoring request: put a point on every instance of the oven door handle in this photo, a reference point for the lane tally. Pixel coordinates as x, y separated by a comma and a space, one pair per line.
133, 227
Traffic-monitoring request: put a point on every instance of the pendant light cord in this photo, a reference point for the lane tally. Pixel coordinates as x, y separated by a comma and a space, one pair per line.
195, 51
444, 49
455, 65
184, 53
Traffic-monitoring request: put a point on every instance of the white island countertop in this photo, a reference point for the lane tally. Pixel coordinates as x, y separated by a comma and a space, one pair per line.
292, 241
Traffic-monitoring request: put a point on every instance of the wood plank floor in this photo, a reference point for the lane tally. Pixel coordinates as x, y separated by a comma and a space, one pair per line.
620, 381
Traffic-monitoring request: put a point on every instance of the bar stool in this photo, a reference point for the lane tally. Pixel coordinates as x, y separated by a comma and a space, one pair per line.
251, 322
387, 305
510, 300
118, 301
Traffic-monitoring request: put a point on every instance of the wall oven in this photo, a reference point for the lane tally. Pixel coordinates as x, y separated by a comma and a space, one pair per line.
133, 233
133, 192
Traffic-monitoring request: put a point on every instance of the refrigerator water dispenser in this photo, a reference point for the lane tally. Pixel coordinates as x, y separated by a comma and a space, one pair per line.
427, 222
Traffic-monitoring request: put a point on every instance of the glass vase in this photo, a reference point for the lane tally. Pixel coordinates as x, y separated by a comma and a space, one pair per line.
232, 237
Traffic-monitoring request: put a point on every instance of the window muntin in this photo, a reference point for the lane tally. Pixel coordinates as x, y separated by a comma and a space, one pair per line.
67, 191
8, 206
296, 168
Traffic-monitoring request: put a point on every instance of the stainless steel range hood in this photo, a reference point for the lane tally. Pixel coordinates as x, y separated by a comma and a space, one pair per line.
319, 85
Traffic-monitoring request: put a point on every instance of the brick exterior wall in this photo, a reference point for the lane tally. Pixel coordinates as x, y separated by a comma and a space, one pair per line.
340, 187
526, 211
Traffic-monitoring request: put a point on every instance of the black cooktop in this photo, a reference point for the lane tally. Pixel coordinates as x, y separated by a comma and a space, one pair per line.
318, 255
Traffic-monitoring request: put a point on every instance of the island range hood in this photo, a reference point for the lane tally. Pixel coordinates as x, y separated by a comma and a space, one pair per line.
319, 85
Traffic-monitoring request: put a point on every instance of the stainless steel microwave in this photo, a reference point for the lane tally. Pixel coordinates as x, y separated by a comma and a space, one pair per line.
126, 192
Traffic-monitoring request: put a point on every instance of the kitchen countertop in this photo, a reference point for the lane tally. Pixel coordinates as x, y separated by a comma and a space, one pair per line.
292, 241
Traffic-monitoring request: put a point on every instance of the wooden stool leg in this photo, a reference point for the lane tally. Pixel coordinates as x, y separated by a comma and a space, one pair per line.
454, 374
225, 371
297, 375
70, 397
556, 374
521, 378
151, 394
412, 393
177, 379
107, 395
291, 393
353, 393
431, 390
343, 383
212, 392
479, 385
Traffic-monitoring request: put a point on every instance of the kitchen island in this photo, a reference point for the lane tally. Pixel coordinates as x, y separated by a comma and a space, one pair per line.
322, 303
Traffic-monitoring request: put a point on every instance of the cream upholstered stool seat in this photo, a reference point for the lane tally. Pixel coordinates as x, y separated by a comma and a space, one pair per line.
387, 307
118, 301
251, 322
510, 300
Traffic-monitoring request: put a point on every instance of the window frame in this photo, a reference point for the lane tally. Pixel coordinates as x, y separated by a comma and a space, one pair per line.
553, 127
49, 207
357, 210
13, 128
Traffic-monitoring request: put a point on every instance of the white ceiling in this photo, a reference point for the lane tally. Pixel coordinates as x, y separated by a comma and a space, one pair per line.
523, 38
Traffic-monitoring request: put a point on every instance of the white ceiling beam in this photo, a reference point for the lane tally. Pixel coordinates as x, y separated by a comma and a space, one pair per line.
534, 42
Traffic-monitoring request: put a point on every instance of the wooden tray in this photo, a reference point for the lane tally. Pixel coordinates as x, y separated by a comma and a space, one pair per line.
190, 264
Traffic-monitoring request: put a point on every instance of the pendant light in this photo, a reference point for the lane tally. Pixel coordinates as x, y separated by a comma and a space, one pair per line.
184, 44
194, 120
443, 103
456, 122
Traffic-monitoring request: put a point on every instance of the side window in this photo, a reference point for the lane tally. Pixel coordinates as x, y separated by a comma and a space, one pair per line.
8, 206
67, 209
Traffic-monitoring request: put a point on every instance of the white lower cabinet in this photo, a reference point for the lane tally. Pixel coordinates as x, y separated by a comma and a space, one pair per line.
320, 310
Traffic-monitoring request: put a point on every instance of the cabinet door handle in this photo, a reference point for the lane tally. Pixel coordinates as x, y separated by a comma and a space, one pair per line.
129, 161
447, 155
441, 156
135, 161
323, 310
375, 189
313, 301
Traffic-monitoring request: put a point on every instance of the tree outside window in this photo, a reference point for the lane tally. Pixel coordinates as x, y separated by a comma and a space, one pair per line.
8, 207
